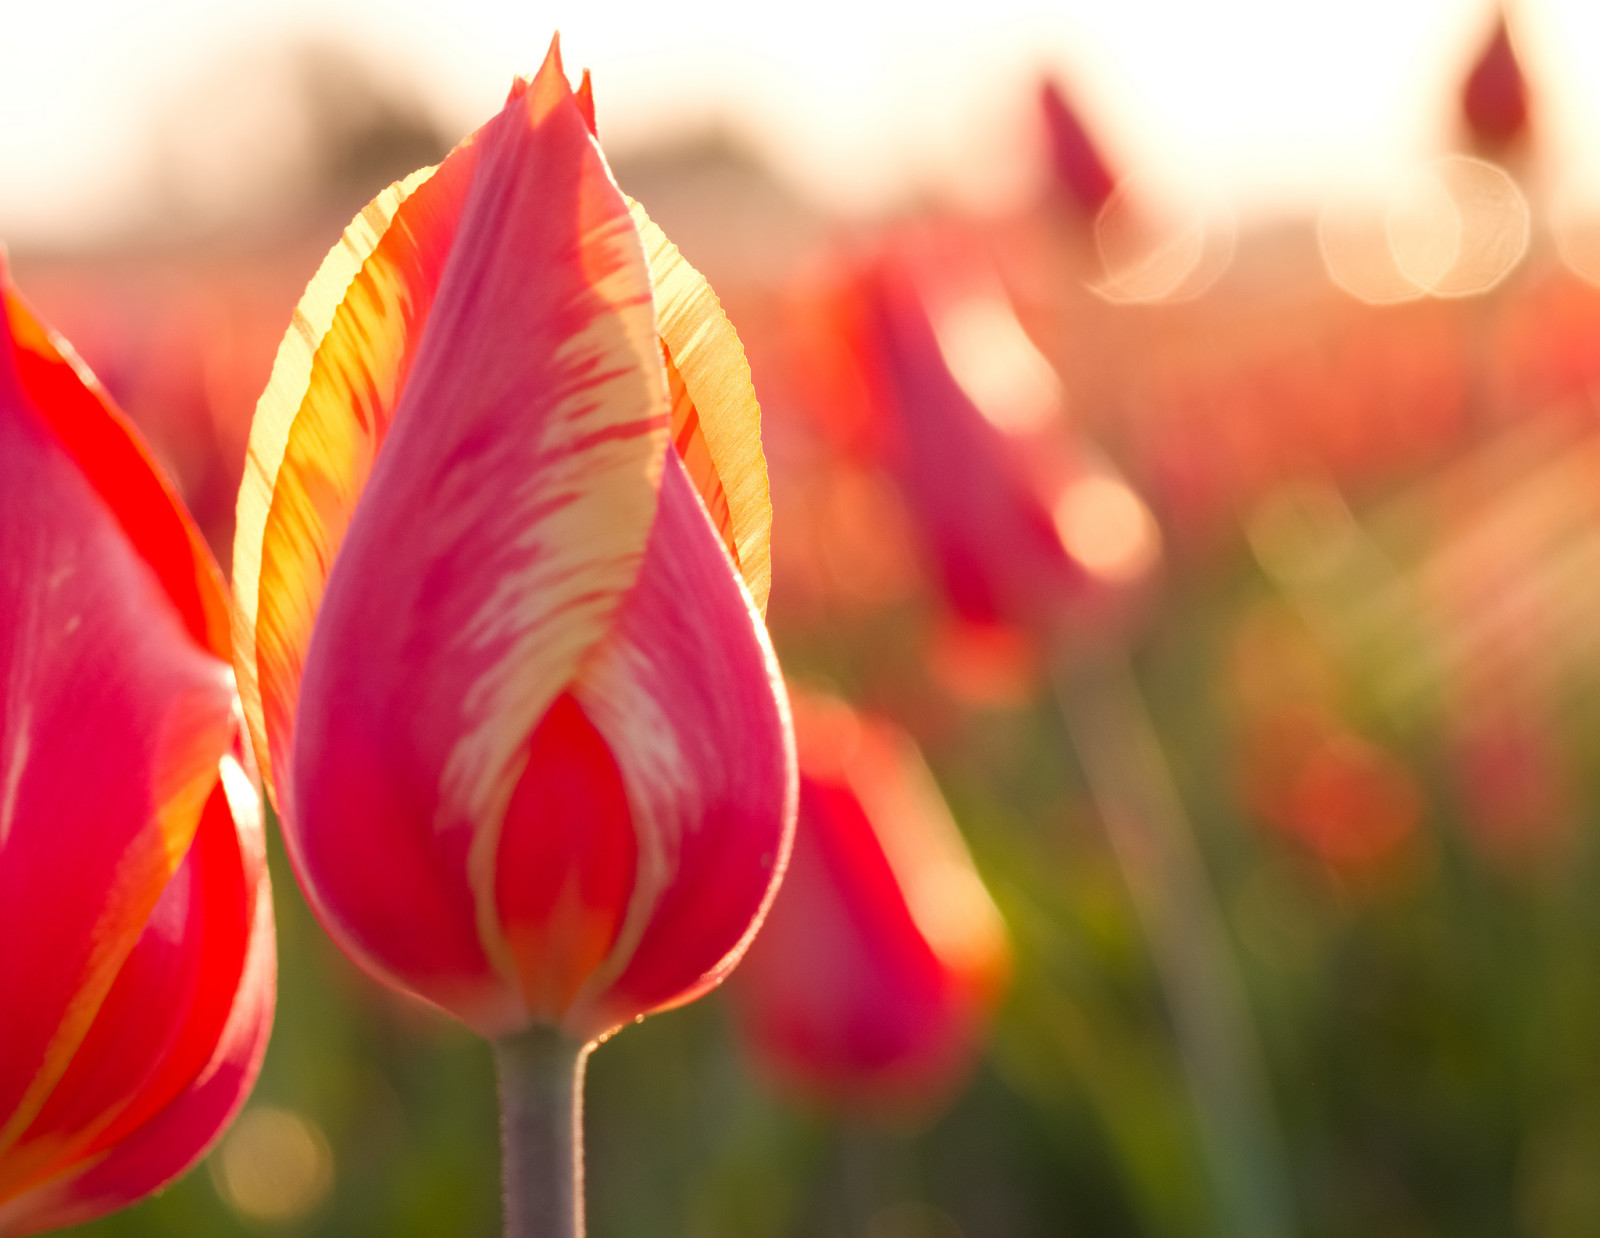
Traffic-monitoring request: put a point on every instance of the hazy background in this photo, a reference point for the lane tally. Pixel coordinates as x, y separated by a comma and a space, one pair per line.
1355, 390
118, 114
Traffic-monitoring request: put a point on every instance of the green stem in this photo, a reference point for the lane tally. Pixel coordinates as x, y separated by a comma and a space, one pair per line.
541, 1132
1155, 846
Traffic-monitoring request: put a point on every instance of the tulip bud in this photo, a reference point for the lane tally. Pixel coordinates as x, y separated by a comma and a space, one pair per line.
1081, 172
872, 977
500, 570
136, 947
1025, 527
1494, 100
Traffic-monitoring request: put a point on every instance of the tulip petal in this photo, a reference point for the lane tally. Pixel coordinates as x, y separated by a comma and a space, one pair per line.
688, 697
716, 422
119, 468
503, 525
841, 995
112, 720
564, 876
318, 427
991, 533
204, 1077
882, 952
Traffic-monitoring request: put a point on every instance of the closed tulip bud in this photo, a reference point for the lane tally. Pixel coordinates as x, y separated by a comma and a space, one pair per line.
136, 946
1082, 176
871, 980
1494, 100
1023, 525
500, 571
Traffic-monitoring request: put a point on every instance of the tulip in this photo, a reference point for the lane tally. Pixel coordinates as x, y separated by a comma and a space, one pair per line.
136, 946
1025, 527
871, 981
1494, 99
1082, 175
500, 570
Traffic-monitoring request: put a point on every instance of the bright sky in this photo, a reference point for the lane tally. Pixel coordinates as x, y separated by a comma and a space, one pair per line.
1273, 103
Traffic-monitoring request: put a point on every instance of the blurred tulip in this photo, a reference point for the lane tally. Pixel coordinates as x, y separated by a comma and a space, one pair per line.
874, 973
1494, 100
1081, 172
1513, 784
1349, 802
136, 946
1023, 526
501, 563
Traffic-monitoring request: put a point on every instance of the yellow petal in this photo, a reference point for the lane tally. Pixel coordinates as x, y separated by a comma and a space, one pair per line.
716, 421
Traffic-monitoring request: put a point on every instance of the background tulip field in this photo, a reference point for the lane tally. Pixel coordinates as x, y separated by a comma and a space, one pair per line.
1286, 792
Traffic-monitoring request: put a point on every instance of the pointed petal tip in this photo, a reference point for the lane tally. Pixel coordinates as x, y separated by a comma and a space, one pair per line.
585, 97
548, 89
551, 63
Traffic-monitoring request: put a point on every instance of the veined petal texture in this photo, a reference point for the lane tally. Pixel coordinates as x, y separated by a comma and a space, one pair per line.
501, 526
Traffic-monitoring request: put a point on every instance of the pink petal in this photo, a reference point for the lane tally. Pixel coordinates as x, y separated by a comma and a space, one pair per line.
1080, 169
119, 468
991, 535
686, 693
112, 720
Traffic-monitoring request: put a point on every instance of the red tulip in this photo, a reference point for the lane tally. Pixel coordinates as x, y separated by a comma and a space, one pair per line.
136, 948
1350, 802
1494, 101
500, 571
870, 982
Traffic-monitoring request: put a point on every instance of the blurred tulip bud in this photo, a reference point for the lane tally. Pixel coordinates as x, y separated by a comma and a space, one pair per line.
1025, 527
1349, 802
1494, 100
136, 947
1081, 172
870, 982
501, 565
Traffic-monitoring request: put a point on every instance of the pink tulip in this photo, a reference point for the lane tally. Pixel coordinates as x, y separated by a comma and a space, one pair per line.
870, 983
1024, 527
500, 573
136, 947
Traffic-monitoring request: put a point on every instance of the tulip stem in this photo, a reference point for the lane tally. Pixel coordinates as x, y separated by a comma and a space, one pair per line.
1156, 848
541, 1132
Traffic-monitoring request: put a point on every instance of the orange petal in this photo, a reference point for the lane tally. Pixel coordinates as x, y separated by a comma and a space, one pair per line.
870, 980
716, 422
319, 424
585, 96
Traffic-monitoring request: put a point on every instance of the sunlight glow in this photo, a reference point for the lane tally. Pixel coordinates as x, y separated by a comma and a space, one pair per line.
1273, 105
1453, 228
274, 1165
1106, 527
997, 364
